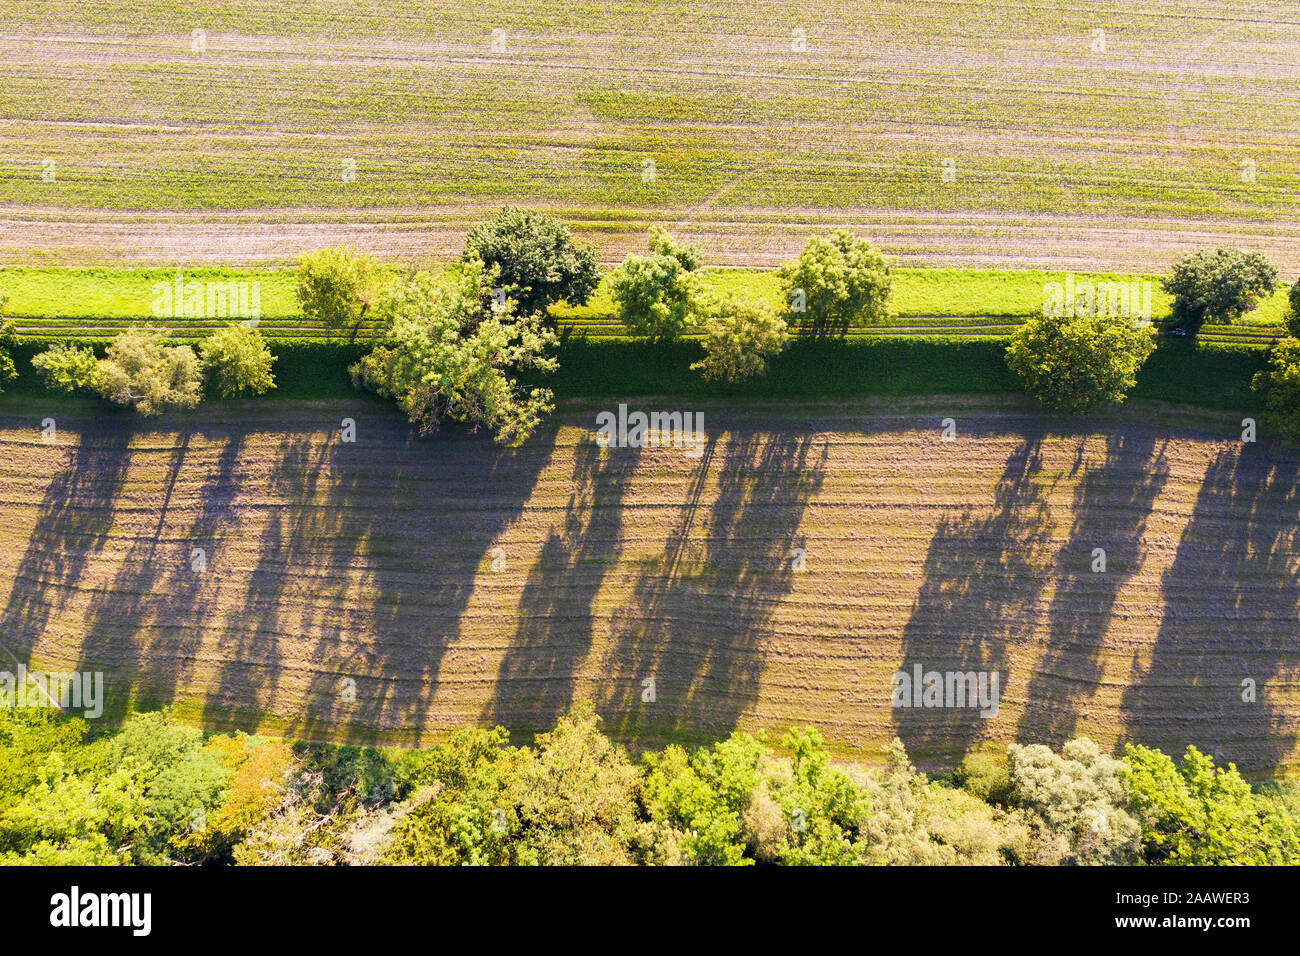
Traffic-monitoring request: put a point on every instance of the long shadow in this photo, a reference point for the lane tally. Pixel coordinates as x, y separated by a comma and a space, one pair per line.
534, 683
699, 611
1231, 614
133, 621
1111, 506
364, 558
72, 529
374, 553
981, 587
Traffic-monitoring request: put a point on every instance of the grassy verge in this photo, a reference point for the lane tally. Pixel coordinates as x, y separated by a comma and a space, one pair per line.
97, 302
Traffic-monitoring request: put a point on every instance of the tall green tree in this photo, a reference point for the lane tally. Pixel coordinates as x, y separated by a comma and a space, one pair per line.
739, 339
236, 360
1079, 794
338, 287
836, 282
659, 295
1197, 814
1292, 319
1279, 386
574, 796
8, 339
536, 259
1078, 363
1219, 285
437, 370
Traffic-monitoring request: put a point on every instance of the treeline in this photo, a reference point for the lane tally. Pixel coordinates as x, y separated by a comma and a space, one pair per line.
155, 791
477, 344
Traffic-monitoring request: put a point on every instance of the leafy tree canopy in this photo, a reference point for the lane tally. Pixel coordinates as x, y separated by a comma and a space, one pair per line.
1217, 285
1078, 363
837, 281
450, 352
537, 261
1279, 384
337, 287
236, 360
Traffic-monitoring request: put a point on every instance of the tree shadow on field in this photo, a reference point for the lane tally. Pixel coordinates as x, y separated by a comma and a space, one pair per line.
139, 621
1231, 614
700, 610
72, 529
365, 570
981, 586
534, 683
1111, 506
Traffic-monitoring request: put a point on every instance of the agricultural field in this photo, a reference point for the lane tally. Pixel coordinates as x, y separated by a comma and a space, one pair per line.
808, 552
328, 533
1043, 135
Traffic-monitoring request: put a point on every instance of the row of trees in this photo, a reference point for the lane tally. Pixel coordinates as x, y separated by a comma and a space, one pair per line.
155, 791
141, 370
451, 347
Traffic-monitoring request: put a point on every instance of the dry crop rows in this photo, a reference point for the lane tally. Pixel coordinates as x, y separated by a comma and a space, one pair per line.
374, 561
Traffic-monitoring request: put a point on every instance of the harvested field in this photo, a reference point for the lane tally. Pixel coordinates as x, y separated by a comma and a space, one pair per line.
1110, 136
374, 561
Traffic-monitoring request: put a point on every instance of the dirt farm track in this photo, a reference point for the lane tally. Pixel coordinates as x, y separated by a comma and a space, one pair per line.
326, 565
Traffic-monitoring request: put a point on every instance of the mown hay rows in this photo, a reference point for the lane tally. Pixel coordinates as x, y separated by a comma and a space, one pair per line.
374, 562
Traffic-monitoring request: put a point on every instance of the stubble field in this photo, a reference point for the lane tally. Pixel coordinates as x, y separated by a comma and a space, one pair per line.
373, 562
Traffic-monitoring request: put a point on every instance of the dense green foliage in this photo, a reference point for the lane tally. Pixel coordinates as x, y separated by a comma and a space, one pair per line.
1291, 320
836, 282
337, 287
449, 352
740, 339
1080, 362
1079, 801
658, 296
139, 370
236, 360
7, 342
156, 791
1219, 285
537, 260
1197, 814
1279, 386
